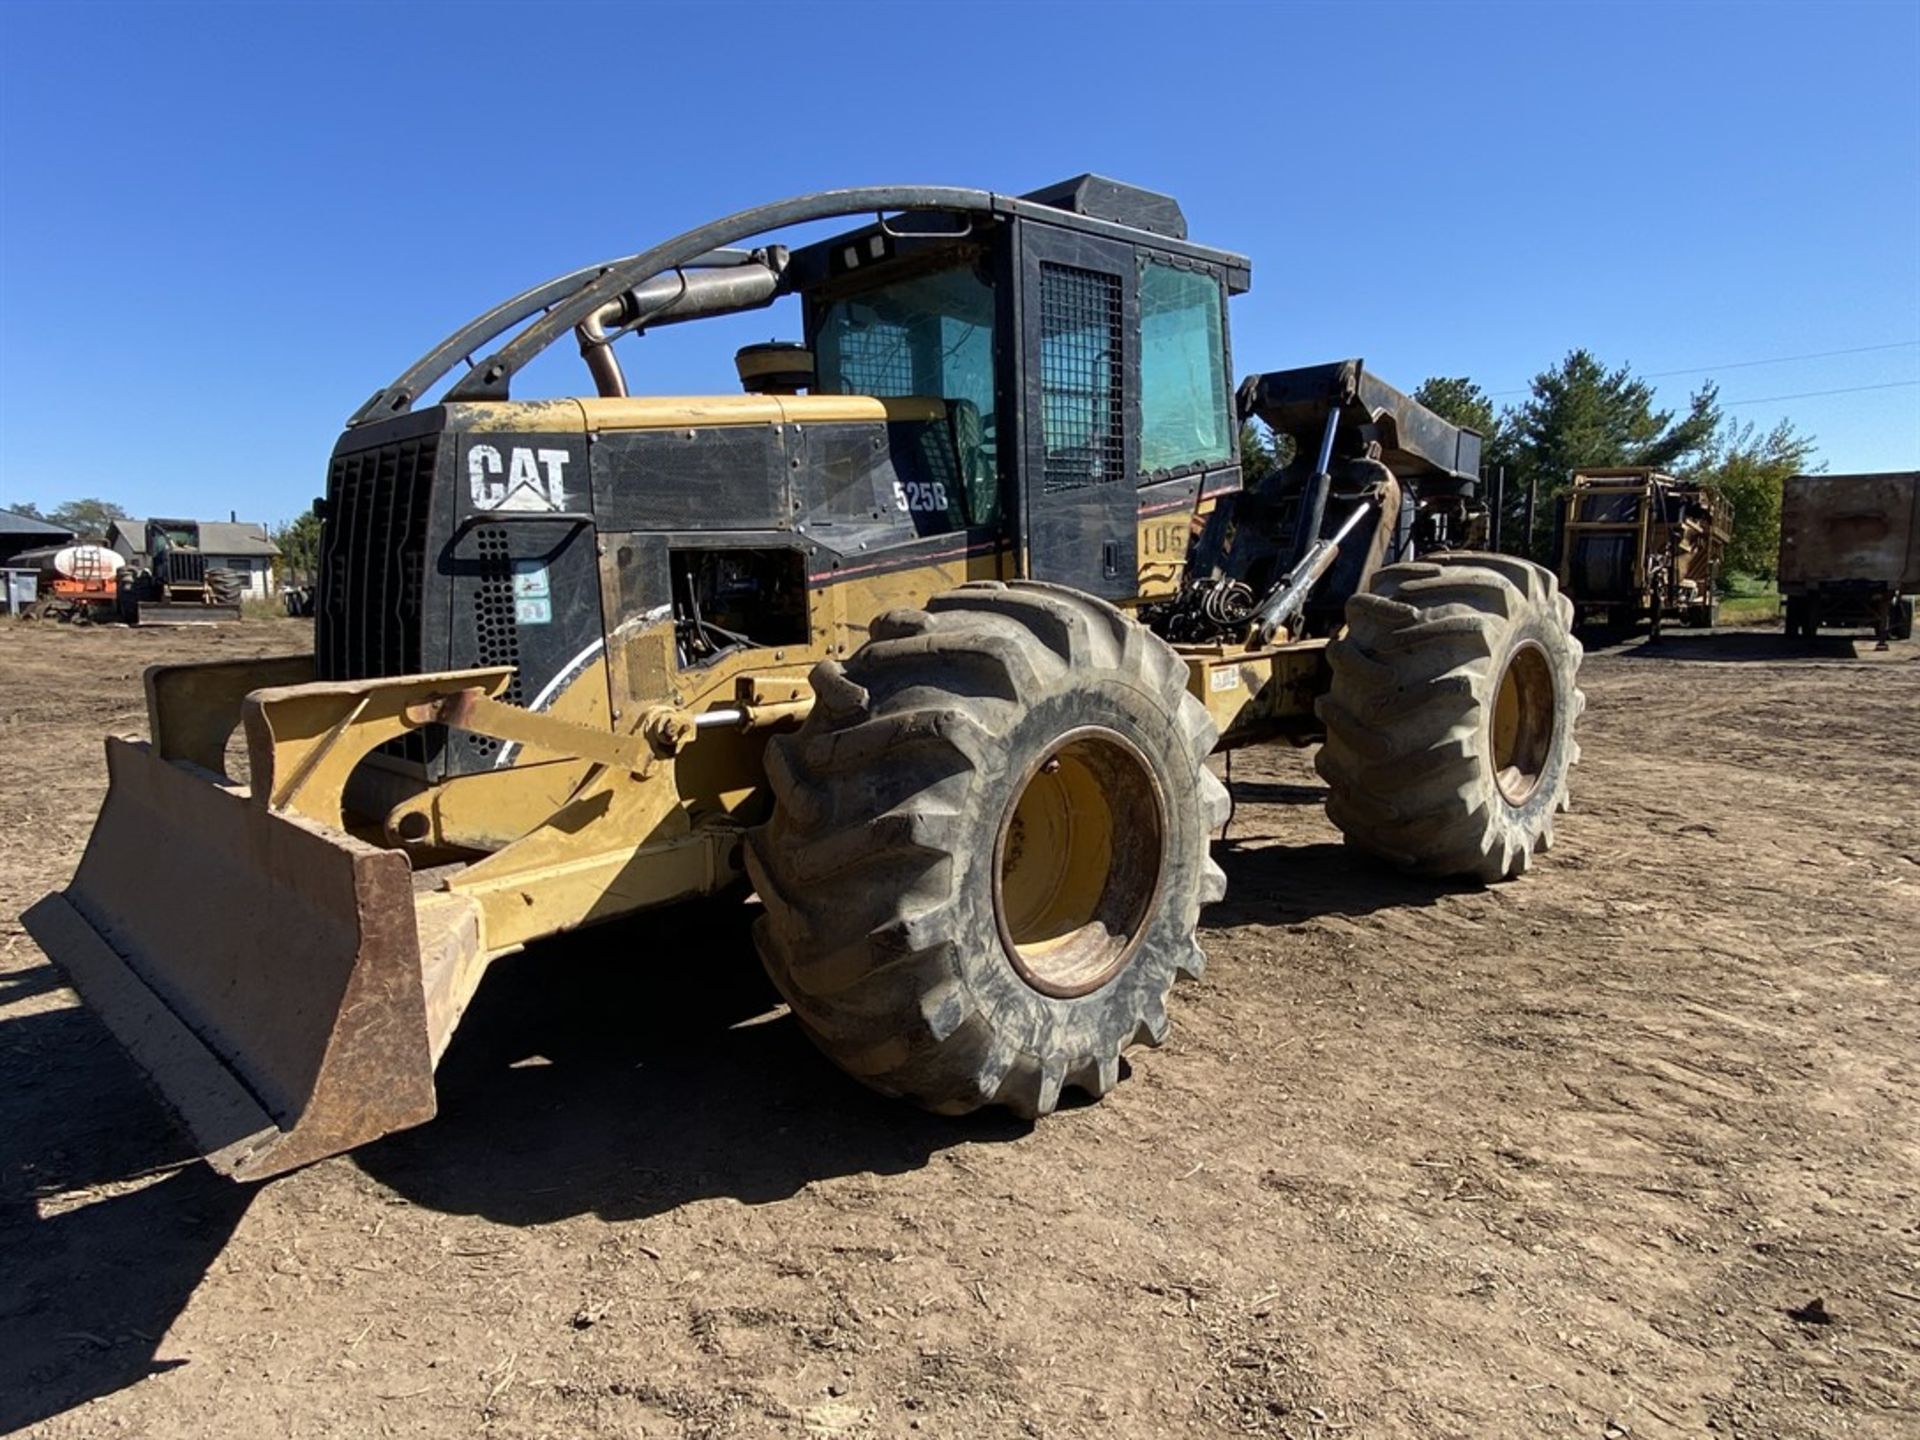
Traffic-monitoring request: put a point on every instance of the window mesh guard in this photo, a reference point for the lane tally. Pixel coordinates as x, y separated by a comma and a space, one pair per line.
877, 359
1082, 406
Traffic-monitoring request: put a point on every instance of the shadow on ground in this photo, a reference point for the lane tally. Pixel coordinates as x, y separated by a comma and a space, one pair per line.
627, 1071
1770, 646
1270, 883
622, 1071
1274, 792
107, 1222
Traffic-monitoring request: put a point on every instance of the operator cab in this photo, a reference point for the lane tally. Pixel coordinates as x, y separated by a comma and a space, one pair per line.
1080, 345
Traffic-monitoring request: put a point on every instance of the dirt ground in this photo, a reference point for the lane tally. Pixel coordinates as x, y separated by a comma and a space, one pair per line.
1629, 1147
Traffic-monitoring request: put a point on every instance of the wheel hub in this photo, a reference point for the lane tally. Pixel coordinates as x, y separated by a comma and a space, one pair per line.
1079, 862
1522, 723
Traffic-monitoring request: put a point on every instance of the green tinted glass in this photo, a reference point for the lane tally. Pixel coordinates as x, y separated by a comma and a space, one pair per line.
930, 335
1184, 417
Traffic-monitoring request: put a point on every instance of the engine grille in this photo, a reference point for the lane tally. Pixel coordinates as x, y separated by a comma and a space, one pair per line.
496, 627
367, 618
182, 567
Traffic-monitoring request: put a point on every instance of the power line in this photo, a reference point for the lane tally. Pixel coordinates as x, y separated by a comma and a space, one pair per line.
1747, 365
1810, 394
1781, 360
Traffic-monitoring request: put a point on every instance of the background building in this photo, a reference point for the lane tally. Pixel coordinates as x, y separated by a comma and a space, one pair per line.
238, 546
19, 533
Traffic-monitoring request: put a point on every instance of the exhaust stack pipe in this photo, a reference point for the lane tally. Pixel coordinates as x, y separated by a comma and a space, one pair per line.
673, 297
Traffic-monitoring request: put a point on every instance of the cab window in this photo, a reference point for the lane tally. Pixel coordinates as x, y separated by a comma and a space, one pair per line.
1184, 419
929, 335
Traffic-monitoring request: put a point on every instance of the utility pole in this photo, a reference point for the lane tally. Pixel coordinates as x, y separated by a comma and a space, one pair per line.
1533, 500
1499, 505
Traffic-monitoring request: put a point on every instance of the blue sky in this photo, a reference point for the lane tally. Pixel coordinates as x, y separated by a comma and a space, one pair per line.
222, 227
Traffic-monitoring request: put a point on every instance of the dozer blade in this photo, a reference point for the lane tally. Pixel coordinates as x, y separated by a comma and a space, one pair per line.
184, 612
277, 979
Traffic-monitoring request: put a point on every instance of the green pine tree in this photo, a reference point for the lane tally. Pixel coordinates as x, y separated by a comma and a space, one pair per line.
1580, 415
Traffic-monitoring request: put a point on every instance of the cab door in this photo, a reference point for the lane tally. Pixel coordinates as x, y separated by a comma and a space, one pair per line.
1079, 324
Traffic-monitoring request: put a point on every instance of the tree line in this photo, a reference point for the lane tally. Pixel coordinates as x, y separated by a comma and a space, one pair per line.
1579, 414
87, 519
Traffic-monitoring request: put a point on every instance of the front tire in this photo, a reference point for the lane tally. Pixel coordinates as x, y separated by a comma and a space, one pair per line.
989, 849
1450, 719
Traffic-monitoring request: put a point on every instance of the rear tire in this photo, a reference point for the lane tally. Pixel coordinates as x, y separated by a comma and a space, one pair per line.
989, 849
1900, 618
1450, 720
226, 587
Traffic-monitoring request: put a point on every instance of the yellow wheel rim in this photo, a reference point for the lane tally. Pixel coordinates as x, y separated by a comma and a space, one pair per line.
1522, 723
1079, 862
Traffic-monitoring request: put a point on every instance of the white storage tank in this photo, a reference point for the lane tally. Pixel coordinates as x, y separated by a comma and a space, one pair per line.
78, 562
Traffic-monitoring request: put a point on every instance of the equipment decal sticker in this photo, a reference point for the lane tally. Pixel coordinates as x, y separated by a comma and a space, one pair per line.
532, 593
